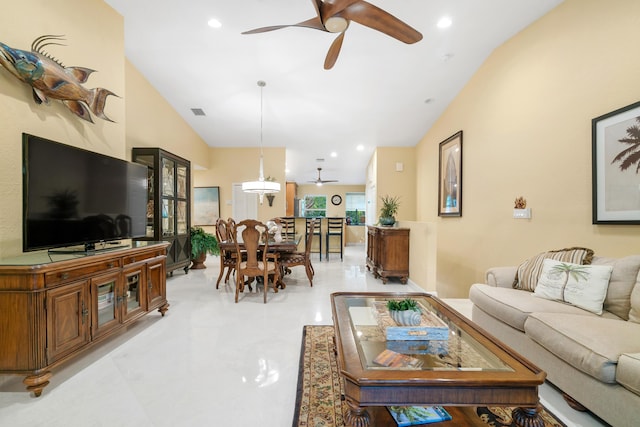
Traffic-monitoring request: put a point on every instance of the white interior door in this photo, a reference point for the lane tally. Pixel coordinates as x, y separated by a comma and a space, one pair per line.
244, 205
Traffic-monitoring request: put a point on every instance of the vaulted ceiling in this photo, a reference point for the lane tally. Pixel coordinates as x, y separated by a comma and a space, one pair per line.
381, 91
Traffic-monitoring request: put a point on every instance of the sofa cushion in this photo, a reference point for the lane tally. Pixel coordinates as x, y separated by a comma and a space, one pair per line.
622, 282
529, 270
513, 306
628, 372
584, 286
634, 313
589, 343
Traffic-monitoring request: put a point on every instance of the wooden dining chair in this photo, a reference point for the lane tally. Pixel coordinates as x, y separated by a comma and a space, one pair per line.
293, 259
259, 261
227, 258
288, 227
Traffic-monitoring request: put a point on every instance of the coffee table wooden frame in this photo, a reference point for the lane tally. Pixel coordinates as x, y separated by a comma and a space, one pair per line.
382, 387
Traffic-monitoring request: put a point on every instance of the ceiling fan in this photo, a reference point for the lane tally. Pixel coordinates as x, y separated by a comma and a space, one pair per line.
321, 181
334, 16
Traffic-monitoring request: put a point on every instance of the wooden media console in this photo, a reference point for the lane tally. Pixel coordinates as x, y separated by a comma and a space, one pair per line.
54, 306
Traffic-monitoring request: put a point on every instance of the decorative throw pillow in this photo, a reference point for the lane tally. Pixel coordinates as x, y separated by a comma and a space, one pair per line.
634, 314
584, 286
529, 271
622, 282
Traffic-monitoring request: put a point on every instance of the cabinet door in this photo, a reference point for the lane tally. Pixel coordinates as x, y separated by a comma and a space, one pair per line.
67, 319
106, 296
133, 296
156, 290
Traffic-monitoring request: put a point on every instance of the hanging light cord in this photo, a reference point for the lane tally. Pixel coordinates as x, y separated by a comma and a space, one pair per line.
261, 186
262, 84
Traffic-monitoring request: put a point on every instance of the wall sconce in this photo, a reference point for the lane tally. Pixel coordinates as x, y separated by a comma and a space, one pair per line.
270, 198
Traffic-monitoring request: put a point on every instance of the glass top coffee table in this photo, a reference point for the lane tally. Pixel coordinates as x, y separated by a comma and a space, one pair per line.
447, 360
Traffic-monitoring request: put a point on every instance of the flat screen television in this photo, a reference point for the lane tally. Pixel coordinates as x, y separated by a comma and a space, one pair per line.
74, 197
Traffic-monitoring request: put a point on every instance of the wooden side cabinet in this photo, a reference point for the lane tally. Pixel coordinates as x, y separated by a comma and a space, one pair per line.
388, 252
55, 306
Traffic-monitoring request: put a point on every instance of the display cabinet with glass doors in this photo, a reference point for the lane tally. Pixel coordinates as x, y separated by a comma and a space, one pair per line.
168, 203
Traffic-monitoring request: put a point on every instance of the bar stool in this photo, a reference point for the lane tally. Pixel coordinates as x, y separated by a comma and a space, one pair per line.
335, 228
317, 231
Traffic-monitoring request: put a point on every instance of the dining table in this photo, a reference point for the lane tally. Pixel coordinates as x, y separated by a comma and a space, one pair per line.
274, 246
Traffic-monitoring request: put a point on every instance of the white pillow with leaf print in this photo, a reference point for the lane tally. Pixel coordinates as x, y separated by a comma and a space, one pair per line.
584, 286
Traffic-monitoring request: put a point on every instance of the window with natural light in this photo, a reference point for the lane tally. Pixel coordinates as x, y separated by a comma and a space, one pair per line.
355, 205
314, 206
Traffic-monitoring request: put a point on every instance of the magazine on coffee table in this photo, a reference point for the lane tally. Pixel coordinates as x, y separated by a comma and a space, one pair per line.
394, 359
416, 415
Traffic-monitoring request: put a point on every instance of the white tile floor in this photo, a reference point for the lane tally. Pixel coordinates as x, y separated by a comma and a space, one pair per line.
209, 361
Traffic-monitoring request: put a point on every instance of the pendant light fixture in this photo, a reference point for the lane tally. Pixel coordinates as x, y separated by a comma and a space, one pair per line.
261, 187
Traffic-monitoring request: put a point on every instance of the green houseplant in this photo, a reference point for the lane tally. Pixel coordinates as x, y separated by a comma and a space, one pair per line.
404, 312
202, 243
388, 210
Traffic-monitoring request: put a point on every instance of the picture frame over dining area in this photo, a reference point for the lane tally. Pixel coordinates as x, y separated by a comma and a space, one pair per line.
450, 176
206, 205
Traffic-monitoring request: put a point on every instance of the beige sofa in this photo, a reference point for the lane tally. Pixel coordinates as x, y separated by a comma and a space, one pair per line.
594, 359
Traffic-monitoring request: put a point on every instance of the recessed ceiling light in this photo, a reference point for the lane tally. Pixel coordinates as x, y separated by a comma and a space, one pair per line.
214, 23
360, 147
334, 154
444, 22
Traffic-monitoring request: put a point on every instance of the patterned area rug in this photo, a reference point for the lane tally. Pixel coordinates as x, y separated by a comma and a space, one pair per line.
319, 394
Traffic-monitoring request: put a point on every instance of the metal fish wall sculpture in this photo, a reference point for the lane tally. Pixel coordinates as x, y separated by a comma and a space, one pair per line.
49, 78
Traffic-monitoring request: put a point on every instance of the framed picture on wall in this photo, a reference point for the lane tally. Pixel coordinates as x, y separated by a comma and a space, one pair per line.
616, 166
206, 205
450, 176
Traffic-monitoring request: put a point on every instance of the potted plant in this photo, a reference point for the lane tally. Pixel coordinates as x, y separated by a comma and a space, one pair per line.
404, 312
388, 210
202, 243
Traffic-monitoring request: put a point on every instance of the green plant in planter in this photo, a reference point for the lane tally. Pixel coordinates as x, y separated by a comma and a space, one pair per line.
203, 242
401, 305
404, 312
389, 209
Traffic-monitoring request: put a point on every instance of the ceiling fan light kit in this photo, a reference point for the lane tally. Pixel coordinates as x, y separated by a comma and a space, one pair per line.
261, 187
335, 17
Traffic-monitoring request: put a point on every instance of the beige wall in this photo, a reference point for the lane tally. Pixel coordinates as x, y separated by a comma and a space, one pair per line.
152, 122
236, 165
423, 253
526, 116
383, 178
94, 39
392, 182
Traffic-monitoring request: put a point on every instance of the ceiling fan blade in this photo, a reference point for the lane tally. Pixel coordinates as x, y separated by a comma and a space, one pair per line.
317, 4
327, 10
373, 17
334, 51
314, 23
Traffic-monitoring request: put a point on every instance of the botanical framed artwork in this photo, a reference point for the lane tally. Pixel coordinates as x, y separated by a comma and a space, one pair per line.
206, 205
616, 166
450, 176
